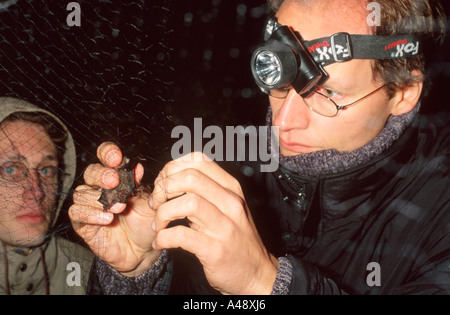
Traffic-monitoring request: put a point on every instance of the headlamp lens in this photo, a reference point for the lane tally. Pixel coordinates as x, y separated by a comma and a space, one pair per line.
283, 62
268, 67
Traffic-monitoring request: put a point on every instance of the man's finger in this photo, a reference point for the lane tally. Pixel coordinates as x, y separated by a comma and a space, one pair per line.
138, 173
202, 163
179, 183
82, 215
88, 196
200, 213
196, 182
109, 154
181, 236
98, 175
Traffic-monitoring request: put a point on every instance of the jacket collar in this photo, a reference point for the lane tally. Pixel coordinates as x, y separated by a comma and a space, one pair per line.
342, 192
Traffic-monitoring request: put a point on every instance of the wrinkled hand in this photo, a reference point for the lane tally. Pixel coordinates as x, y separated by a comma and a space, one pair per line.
221, 233
121, 236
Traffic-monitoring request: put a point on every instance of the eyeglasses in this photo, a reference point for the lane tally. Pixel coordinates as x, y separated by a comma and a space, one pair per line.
18, 172
319, 102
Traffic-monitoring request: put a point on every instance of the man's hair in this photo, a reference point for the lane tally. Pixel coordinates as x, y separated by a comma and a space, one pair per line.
51, 127
423, 18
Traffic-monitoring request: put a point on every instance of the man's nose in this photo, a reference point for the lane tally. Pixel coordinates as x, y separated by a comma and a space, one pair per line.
33, 186
293, 113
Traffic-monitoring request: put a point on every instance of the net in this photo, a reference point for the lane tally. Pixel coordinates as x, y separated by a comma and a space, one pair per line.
104, 79
131, 72
108, 79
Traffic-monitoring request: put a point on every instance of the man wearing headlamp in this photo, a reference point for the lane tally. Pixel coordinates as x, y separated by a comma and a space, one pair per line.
363, 179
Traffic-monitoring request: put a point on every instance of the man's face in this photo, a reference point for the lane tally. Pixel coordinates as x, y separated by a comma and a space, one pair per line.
304, 131
28, 183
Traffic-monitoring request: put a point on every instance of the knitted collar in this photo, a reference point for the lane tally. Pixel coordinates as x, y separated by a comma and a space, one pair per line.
331, 161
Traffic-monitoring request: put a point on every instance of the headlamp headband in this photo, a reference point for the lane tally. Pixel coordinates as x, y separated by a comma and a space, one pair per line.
286, 60
342, 47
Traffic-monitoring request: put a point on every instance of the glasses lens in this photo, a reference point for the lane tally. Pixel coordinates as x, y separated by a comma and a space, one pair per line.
268, 67
321, 104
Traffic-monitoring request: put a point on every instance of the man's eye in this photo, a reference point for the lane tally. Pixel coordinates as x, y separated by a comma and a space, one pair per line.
48, 171
12, 171
330, 93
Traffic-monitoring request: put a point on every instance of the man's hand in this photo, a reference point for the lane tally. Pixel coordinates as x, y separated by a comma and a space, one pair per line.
221, 234
121, 236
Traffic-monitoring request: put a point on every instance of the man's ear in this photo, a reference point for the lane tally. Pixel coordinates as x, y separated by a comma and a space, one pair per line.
407, 98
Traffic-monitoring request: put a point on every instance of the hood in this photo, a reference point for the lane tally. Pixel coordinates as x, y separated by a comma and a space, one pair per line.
10, 105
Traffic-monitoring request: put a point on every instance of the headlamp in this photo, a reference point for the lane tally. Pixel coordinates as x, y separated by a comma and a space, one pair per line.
285, 60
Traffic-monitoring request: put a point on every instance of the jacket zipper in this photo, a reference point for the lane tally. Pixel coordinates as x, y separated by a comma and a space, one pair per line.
300, 191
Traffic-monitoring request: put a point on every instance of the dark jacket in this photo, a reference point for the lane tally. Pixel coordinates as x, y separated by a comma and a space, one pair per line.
380, 228
393, 211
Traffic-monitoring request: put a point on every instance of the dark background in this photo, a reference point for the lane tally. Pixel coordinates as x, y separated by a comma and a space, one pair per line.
136, 69
213, 42
213, 46
109, 79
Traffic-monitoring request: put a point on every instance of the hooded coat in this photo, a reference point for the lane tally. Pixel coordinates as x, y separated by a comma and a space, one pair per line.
58, 266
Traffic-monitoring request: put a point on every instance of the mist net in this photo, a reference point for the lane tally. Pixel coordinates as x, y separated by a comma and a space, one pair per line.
103, 69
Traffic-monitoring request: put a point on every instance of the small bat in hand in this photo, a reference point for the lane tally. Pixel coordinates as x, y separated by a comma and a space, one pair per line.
127, 186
